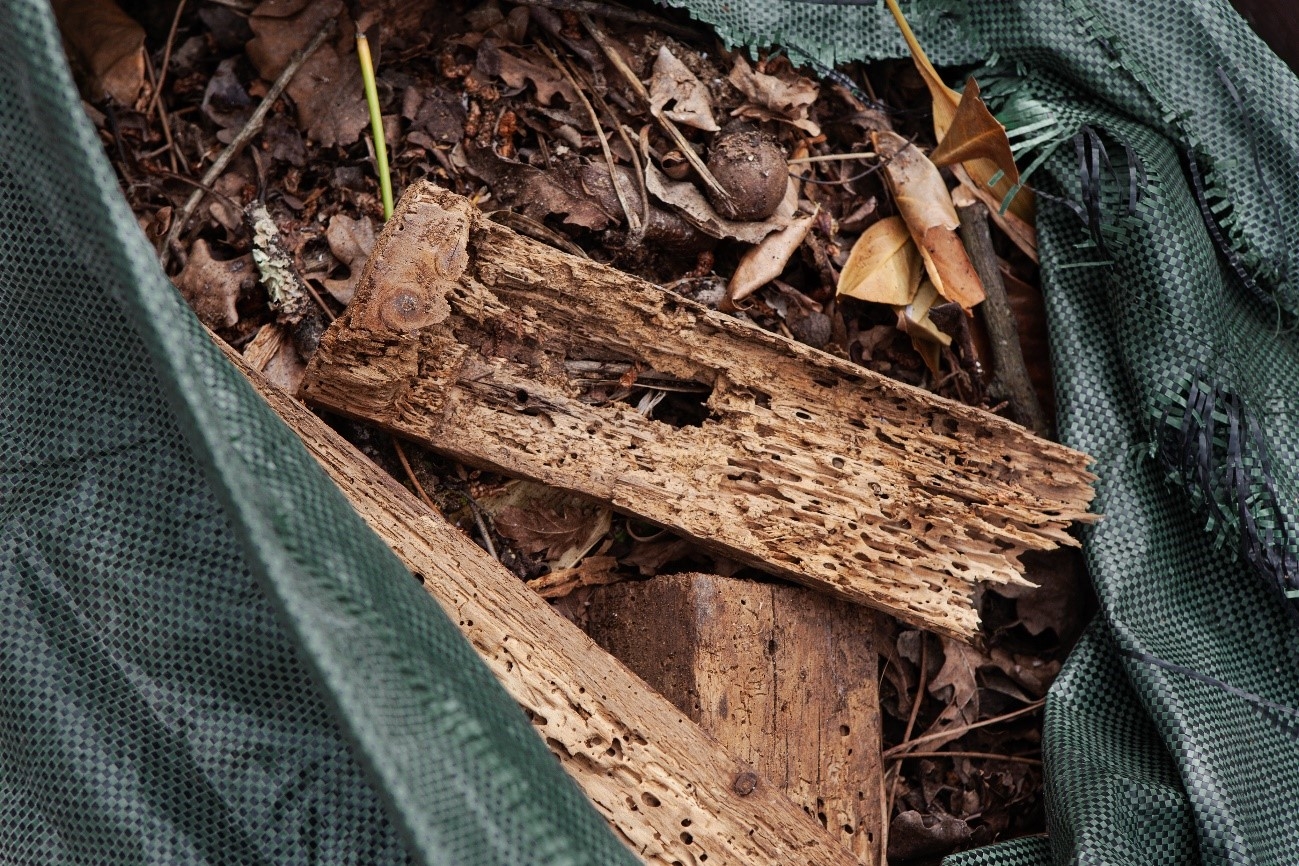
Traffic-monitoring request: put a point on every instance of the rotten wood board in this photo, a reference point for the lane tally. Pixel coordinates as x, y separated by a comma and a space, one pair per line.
783, 677
643, 764
480, 343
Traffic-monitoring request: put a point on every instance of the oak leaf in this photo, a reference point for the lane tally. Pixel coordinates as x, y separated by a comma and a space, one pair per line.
673, 83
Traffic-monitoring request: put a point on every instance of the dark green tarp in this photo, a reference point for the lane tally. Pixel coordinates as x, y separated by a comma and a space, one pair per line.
207, 658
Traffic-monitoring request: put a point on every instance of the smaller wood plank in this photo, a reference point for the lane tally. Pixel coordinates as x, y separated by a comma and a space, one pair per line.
783, 677
668, 790
484, 344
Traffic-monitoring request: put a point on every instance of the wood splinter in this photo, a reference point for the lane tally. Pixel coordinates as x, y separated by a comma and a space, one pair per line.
471, 339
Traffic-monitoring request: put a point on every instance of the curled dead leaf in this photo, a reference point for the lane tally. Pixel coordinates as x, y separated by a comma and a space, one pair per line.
884, 265
770, 97
350, 240
327, 89
923, 201
686, 199
914, 321
672, 83
765, 261
105, 47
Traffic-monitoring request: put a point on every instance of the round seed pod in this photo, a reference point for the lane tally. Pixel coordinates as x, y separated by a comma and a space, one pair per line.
751, 167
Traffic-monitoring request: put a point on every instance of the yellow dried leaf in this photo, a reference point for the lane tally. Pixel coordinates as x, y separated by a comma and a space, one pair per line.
923, 202
947, 110
913, 319
884, 265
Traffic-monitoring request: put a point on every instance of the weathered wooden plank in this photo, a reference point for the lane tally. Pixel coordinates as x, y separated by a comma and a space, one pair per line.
782, 676
480, 342
649, 769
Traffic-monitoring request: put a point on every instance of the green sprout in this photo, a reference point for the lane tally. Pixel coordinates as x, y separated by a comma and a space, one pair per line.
376, 122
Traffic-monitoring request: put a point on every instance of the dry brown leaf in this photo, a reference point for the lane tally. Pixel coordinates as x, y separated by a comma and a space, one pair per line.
923, 201
672, 83
536, 192
765, 261
774, 98
975, 134
516, 72
956, 684
553, 525
687, 200
946, 103
592, 571
884, 265
350, 240
327, 89
106, 48
212, 287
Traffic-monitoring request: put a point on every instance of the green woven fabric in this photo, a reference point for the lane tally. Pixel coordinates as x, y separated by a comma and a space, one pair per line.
206, 656
1162, 137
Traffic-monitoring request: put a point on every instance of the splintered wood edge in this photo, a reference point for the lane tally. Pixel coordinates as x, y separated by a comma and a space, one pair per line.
808, 466
645, 766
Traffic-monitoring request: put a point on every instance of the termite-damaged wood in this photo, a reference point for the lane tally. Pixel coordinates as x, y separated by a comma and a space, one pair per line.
783, 677
644, 765
478, 342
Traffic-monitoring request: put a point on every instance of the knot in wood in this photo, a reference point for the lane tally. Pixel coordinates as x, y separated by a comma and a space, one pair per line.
407, 311
745, 783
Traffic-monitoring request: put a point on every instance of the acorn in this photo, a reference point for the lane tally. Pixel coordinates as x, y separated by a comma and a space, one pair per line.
749, 165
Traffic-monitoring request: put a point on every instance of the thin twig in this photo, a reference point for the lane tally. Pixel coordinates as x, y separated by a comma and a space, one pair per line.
250, 129
1010, 379
166, 59
614, 13
834, 157
952, 733
419, 488
915, 713
664, 121
991, 756
229, 202
633, 219
166, 128
410, 473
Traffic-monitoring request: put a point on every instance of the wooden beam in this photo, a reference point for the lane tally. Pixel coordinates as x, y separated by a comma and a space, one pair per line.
484, 344
783, 677
644, 765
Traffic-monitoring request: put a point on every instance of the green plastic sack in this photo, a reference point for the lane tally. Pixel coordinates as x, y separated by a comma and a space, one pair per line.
206, 656
1162, 138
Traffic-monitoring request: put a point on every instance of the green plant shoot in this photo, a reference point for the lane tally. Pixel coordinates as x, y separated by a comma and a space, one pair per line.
376, 122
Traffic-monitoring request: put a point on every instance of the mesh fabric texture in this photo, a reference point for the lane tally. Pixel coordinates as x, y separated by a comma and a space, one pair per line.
206, 656
1162, 136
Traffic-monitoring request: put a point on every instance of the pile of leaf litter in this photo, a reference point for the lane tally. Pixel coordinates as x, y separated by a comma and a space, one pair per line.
800, 199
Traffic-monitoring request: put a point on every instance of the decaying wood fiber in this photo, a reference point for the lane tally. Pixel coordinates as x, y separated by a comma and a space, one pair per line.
475, 340
671, 793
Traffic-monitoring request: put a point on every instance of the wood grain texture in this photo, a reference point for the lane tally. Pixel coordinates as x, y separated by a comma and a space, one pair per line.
643, 764
783, 677
472, 339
